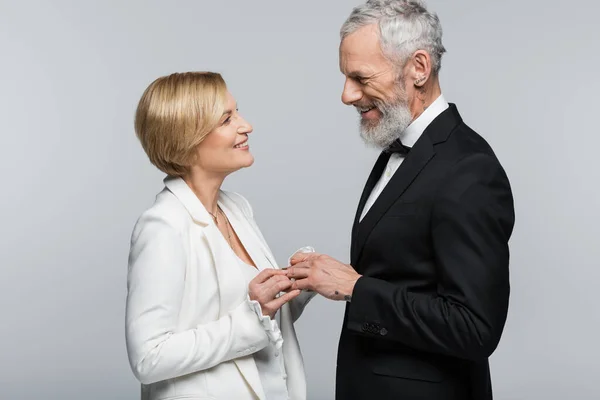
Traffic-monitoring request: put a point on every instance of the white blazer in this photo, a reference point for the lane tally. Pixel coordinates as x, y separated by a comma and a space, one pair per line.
190, 330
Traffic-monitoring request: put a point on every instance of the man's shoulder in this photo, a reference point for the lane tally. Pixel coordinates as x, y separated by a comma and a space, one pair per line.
466, 152
465, 141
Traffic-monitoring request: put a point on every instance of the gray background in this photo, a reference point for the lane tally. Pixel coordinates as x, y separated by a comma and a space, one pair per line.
523, 74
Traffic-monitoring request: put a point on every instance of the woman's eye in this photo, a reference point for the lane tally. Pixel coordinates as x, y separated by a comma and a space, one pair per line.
227, 121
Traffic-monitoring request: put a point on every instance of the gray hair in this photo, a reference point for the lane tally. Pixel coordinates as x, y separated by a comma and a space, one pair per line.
405, 26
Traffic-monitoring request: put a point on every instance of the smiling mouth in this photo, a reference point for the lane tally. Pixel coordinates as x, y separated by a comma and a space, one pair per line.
364, 110
242, 145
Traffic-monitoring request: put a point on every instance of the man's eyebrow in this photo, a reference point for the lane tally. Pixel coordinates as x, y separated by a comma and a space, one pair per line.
358, 74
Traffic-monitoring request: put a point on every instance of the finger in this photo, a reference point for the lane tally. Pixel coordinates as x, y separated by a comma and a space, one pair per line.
302, 284
267, 273
281, 300
269, 288
299, 271
277, 287
274, 280
301, 257
292, 288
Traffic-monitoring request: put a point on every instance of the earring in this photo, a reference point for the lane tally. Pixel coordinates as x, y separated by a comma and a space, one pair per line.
418, 81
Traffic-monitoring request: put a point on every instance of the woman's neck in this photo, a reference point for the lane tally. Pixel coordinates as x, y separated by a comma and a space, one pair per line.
206, 187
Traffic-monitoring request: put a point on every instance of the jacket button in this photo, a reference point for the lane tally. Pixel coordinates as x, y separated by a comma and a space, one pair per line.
383, 332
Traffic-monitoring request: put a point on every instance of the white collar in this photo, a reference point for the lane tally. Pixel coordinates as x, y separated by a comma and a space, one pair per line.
190, 201
418, 126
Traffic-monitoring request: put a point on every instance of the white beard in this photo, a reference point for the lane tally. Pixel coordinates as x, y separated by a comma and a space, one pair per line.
395, 118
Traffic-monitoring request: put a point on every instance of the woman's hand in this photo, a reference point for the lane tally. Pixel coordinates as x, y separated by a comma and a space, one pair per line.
266, 286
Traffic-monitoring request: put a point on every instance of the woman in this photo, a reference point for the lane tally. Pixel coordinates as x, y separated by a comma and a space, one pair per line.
203, 287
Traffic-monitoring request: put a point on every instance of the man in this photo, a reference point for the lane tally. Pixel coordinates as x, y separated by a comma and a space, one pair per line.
427, 290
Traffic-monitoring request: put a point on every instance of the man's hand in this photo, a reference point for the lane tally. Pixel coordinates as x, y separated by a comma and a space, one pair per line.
322, 274
267, 285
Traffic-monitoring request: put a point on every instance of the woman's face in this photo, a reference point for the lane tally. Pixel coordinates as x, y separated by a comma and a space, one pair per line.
226, 149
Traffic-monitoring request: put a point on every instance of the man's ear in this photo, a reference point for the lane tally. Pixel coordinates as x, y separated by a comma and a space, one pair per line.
420, 68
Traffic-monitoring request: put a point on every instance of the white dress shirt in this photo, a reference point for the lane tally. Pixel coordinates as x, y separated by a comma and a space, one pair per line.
409, 137
269, 360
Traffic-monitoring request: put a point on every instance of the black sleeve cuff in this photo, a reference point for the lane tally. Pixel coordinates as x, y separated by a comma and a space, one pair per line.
363, 315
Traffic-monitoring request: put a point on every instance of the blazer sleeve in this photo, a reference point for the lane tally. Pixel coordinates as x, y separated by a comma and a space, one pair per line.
472, 221
157, 350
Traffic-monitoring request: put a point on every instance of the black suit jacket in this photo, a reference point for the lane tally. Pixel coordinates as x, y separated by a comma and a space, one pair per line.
433, 251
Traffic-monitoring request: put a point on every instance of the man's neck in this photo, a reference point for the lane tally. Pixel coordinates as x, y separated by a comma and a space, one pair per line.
424, 96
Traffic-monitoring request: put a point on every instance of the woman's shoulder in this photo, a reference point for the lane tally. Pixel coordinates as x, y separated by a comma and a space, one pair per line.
166, 211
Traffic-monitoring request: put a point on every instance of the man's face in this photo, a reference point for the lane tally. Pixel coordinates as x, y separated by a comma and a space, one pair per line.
374, 87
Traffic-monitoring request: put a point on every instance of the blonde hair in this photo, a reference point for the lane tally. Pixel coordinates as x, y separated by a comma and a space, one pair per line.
175, 114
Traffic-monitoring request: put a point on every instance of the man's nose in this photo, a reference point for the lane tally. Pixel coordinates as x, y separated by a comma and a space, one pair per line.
352, 92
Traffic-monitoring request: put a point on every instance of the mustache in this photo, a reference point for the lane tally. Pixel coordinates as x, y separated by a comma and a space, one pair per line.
383, 106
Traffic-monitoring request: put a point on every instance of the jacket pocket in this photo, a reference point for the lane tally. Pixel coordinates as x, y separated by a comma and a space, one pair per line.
406, 366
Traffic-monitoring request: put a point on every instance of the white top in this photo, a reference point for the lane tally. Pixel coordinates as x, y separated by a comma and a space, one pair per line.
409, 138
269, 360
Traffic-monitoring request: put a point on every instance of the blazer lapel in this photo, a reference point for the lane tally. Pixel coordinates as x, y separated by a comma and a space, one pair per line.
232, 286
293, 362
260, 253
371, 182
422, 152
232, 291
247, 367
242, 226
410, 168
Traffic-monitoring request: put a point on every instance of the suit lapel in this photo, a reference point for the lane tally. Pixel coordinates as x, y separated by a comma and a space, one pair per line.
421, 154
371, 182
410, 168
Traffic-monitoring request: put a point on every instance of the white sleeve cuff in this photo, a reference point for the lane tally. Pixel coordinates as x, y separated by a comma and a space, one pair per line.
270, 325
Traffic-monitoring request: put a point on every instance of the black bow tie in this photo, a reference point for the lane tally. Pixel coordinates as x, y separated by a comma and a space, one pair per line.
397, 147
